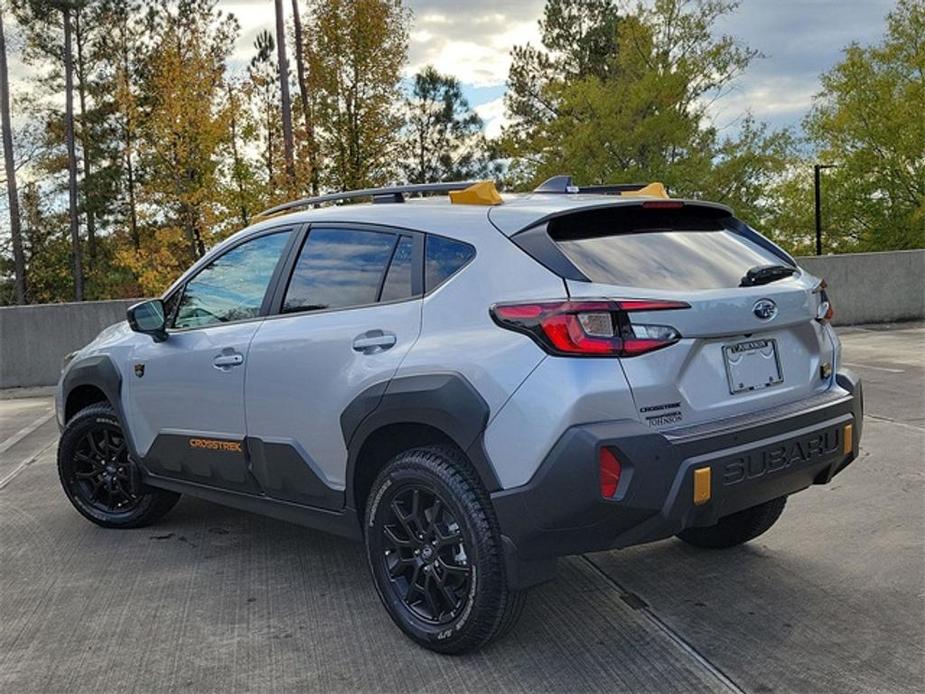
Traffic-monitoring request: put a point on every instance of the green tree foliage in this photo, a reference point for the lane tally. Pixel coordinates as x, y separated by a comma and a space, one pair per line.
443, 136
178, 146
636, 109
185, 124
869, 119
578, 41
356, 52
264, 87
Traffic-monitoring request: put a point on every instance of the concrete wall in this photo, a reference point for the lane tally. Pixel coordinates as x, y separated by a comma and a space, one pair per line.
33, 339
864, 287
872, 287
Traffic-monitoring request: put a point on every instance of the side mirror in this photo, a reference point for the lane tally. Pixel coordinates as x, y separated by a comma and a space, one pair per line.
147, 317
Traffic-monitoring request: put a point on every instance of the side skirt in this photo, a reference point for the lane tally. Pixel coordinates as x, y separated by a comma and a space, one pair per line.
343, 522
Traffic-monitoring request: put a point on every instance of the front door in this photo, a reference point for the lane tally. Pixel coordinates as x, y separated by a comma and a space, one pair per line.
186, 397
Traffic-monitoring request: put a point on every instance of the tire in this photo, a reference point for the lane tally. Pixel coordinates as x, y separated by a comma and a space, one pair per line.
738, 528
95, 472
430, 523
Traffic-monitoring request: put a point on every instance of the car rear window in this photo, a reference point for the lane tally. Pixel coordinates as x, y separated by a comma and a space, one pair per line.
338, 268
685, 249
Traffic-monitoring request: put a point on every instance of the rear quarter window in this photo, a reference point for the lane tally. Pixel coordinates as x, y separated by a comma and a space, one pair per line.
443, 258
685, 249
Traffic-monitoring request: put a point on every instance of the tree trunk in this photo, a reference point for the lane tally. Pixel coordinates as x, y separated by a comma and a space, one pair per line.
236, 157
71, 158
307, 113
285, 101
129, 141
19, 260
133, 214
85, 142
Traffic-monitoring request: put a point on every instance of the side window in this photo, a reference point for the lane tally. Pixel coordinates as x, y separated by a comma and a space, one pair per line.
398, 280
443, 258
338, 268
233, 285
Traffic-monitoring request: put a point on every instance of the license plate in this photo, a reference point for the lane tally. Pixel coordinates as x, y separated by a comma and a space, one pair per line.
752, 365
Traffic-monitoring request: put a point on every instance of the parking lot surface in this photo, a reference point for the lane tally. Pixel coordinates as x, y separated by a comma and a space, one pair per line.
211, 599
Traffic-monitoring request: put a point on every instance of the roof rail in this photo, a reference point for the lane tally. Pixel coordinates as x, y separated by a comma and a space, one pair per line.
379, 195
563, 184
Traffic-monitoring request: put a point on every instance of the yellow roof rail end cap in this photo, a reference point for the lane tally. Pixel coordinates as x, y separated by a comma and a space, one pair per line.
481, 193
653, 190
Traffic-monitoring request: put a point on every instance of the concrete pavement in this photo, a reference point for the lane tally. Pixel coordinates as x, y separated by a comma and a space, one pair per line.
210, 599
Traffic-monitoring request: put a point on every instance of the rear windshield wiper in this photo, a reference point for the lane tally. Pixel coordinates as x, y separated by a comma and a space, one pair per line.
764, 274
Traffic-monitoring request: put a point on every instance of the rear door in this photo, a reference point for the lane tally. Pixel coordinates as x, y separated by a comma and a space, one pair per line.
347, 317
743, 348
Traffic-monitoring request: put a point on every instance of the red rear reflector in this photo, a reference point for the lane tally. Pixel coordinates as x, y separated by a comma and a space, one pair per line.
610, 473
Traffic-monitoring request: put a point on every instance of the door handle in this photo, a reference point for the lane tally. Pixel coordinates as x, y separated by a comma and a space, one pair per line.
374, 341
226, 361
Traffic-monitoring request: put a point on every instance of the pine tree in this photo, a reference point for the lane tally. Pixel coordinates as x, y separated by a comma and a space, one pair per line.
443, 135
357, 50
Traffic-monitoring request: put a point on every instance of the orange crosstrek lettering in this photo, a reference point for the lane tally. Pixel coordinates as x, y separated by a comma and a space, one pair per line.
216, 445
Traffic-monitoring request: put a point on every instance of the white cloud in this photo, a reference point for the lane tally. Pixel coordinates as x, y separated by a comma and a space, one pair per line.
477, 51
492, 112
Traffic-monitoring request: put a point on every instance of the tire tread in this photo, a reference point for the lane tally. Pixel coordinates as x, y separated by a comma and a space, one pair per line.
737, 528
453, 468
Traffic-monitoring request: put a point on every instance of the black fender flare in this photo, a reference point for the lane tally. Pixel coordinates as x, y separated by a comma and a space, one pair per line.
99, 371
445, 401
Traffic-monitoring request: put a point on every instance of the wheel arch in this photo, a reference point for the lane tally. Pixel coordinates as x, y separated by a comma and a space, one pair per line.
83, 396
412, 411
95, 379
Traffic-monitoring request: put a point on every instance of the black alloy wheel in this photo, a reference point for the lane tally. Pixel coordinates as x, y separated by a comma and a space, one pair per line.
101, 471
425, 555
435, 551
97, 473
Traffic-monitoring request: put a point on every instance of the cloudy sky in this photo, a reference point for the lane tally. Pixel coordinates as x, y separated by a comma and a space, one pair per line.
472, 39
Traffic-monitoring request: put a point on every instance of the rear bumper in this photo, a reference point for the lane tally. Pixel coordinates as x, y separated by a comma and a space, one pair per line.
751, 460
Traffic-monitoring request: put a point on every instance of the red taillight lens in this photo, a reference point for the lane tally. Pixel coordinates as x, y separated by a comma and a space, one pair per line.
594, 328
610, 473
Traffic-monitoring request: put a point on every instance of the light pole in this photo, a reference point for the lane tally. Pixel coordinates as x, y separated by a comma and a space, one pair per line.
817, 169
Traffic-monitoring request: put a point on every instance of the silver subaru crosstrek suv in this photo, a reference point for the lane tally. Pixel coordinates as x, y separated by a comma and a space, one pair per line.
473, 387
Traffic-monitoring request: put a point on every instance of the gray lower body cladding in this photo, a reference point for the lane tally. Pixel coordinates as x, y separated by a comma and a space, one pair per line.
561, 512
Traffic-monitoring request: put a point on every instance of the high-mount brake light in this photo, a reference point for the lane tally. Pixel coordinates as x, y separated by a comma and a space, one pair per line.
592, 328
662, 204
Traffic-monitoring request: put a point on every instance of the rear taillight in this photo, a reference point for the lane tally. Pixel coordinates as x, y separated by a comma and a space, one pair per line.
610, 473
594, 328
824, 311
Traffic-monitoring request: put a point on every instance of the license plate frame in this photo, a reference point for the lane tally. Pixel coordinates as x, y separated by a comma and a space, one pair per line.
752, 365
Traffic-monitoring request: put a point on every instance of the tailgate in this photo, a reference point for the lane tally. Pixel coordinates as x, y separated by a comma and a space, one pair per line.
728, 361
750, 338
